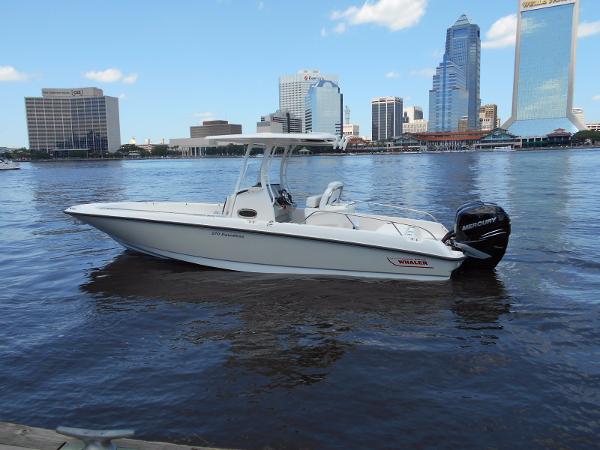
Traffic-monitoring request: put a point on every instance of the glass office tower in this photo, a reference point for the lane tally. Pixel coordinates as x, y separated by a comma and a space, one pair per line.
324, 108
461, 63
545, 68
449, 97
82, 119
293, 90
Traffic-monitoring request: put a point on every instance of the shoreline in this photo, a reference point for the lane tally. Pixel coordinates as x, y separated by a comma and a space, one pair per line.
349, 153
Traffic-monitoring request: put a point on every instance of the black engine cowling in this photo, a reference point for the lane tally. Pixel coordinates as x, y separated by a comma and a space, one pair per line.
481, 232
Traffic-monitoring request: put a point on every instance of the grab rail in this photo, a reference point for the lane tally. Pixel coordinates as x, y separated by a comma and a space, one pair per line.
399, 208
392, 222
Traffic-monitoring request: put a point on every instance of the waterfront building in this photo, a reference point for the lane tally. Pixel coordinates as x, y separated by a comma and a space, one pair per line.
294, 88
351, 129
488, 117
595, 126
189, 146
459, 69
386, 118
279, 122
412, 113
324, 108
214, 128
545, 68
449, 98
66, 120
416, 126
498, 137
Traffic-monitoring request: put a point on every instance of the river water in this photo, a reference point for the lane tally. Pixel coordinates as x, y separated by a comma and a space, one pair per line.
94, 336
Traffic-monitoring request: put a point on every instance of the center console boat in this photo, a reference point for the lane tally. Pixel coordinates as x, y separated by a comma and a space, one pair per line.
261, 228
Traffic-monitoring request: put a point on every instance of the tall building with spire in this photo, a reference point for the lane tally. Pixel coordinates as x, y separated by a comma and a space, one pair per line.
456, 84
545, 68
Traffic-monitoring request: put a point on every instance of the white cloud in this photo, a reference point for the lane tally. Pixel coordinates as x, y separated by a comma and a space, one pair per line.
104, 76
503, 33
111, 76
131, 78
394, 14
324, 32
587, 29
596, 98
392, 74
261, 6
426, 72
9, 73
122, 96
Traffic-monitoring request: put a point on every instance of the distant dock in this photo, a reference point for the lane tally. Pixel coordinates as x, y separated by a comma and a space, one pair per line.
21, 437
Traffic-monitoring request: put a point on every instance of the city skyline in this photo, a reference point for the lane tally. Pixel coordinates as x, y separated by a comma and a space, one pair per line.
163, 90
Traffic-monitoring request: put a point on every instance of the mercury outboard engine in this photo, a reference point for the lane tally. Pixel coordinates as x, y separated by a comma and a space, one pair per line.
481, 232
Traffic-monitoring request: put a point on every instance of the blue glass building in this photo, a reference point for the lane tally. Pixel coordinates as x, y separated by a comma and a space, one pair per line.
545, 68
449, 98
457, 79
324, 104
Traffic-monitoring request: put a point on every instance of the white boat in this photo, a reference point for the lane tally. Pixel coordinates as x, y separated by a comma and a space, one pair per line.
260, 228
7, 164
506, 148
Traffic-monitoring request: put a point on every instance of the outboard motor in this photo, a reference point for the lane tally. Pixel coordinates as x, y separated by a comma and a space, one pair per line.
481, 232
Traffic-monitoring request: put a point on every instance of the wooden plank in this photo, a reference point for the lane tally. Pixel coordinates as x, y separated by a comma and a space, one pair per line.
30, 437
21, 437
13, 447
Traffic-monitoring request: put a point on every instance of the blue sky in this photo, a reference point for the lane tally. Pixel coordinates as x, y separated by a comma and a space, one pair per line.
175, 63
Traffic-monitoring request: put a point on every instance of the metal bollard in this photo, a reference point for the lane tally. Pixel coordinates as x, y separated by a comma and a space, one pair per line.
96, 439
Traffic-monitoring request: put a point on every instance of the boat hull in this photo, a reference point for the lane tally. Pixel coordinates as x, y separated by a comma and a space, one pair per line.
268, 252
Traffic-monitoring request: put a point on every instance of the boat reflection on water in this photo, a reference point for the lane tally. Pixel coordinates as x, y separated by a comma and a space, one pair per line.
292, 329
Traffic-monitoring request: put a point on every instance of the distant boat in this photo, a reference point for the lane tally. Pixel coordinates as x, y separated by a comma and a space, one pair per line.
506, 148
6, 164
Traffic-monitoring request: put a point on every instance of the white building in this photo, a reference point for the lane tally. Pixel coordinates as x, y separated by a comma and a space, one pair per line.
189, 146
294, 88
416, 126
593, 126
412, 113
351, 129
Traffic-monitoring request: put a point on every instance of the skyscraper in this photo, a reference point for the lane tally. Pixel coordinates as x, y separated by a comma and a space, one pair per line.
463, 54
449, 98
545, 68
65, 120
293, 90
324, 108
386, 118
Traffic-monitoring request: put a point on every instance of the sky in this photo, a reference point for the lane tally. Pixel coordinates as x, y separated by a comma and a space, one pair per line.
176, 63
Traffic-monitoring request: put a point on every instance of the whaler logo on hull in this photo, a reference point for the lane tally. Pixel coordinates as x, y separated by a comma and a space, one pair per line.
410, 262
481, 223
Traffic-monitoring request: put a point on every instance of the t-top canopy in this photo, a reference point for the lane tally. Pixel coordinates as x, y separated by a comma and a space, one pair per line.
278, 139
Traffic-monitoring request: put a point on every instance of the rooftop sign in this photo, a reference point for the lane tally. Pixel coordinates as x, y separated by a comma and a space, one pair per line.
527, 5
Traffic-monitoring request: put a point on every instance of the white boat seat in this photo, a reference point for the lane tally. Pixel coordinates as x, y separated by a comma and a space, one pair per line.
313, 201
332, 194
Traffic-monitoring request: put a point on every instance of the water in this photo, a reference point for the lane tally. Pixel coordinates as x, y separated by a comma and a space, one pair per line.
93, 336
